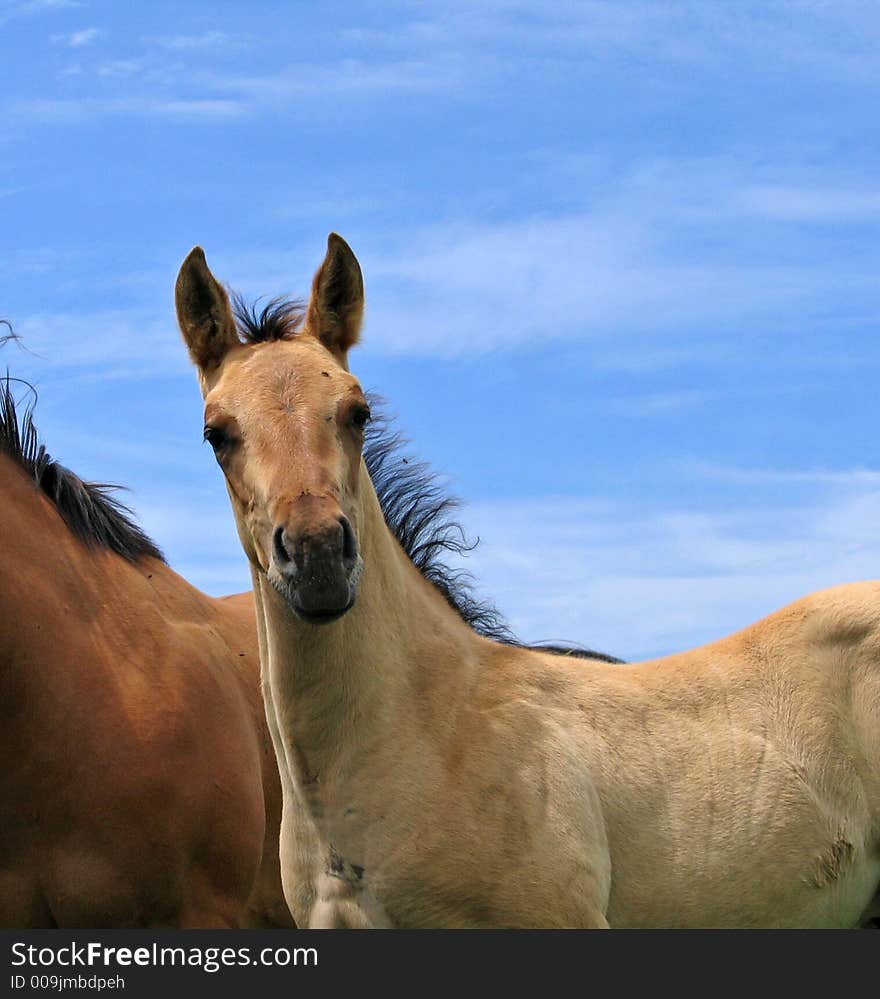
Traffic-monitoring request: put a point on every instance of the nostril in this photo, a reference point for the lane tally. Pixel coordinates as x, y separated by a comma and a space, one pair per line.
282, 556
349, 545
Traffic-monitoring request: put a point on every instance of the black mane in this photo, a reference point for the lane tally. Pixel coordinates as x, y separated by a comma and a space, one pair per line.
87, 508
417, 510
419, 514
279, 319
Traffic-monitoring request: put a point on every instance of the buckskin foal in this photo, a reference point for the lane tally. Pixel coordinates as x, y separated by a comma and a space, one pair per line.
434, 777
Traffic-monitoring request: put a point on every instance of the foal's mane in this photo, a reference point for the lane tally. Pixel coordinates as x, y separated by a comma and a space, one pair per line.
87, 508
279, 319
417, 509
418, 513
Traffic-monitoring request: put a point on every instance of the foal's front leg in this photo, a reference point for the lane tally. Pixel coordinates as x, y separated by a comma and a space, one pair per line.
344, 902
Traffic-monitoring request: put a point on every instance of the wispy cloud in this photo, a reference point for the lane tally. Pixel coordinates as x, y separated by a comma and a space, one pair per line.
651, 404
813, 204
459, 49
641, 582
23, 8
174, 91
74, 111
106, 344
480, 287
197, 532
207, 40
834, 40
121, 67
848, 479
345, 76
78, 39
41, 5
626, 268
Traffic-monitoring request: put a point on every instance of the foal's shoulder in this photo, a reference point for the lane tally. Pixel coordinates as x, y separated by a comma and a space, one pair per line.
839, 618
847, 614
850, 609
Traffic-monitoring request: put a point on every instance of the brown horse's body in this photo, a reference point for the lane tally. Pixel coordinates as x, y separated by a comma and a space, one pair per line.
435, 778
137, 783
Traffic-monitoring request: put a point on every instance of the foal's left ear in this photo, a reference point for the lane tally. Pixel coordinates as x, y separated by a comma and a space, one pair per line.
336, 306
203, 312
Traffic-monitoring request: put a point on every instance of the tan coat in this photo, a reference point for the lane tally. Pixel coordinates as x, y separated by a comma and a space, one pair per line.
434, 778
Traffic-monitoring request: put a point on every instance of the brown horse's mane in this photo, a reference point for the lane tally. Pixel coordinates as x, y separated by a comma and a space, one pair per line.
417, 509
87, 508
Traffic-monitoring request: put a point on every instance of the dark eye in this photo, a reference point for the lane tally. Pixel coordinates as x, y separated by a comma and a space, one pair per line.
360, 417
217, 438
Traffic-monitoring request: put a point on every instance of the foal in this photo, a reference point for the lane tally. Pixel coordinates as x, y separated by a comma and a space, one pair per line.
433, 777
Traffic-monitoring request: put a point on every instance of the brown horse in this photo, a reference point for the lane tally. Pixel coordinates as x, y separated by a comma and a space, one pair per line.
435, 777
138, 786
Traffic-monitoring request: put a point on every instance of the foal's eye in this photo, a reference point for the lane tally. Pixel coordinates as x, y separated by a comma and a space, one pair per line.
216, 437
360, 417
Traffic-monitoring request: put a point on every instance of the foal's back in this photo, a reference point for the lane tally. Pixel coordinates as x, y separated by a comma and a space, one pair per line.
133, 748
738, 784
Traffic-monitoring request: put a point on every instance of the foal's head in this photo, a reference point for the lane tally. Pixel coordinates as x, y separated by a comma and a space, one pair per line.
286, 422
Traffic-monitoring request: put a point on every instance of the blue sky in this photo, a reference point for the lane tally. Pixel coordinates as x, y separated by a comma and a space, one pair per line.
621, 266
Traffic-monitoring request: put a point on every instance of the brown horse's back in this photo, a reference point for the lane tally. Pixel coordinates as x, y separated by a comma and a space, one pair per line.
136, 773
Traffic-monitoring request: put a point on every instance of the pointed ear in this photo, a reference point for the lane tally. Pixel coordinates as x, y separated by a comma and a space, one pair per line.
203, 312
336, 306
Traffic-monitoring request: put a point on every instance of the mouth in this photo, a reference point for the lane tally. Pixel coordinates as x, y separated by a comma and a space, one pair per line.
312, 615
320, 616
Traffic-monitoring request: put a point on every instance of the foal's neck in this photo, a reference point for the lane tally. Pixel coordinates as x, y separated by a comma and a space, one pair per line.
340, 688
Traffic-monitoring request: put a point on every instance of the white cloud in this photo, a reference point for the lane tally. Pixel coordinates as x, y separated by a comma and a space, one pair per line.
643, 581
79, 39
813, 204
196, 529
856, 478
480, 287
344, 76
159, 88
650, 404
72, 111
24, 8
623, 269
192, 108
208, 40
122, 67
456, 48
835, 41
619, 273
107, 344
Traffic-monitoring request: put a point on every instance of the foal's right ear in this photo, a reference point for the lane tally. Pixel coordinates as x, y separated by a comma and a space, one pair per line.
203, 312
336, 307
